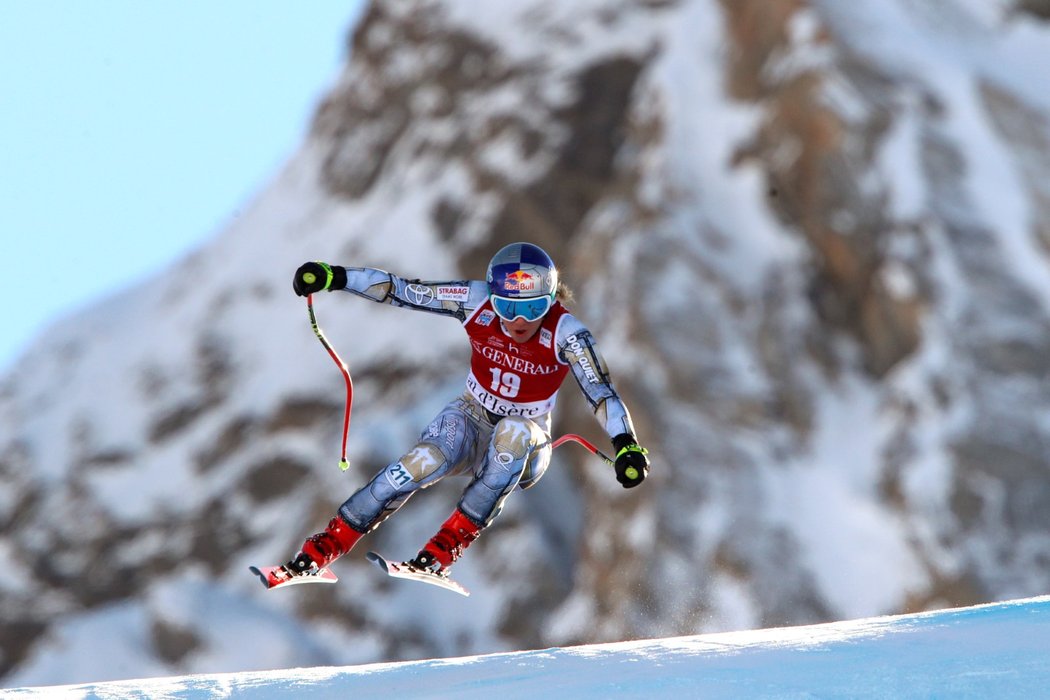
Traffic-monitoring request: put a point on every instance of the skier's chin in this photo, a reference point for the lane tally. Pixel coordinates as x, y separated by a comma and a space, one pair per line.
521, 331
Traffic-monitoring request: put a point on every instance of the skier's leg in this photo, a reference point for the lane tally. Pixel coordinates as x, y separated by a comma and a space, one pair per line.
392, 486
445, 445
512, 458
512, 454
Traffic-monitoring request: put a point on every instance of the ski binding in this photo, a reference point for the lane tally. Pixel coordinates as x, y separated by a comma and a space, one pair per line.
406, 571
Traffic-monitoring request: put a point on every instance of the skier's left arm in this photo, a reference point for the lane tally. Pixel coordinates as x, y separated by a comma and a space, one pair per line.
577, 347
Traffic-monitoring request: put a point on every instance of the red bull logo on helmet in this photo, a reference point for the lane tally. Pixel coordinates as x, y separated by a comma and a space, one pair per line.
522, 281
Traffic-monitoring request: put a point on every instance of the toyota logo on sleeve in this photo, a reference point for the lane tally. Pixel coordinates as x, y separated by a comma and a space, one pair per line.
420, 294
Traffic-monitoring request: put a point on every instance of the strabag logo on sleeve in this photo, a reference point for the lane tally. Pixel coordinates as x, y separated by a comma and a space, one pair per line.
453, 293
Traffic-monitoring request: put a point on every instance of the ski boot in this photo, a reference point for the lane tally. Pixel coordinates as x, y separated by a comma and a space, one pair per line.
446, 546
322, 549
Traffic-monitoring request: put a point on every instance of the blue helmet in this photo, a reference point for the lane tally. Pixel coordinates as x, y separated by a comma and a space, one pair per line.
520, 272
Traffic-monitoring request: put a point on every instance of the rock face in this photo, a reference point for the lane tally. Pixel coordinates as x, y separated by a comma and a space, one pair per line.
810, 236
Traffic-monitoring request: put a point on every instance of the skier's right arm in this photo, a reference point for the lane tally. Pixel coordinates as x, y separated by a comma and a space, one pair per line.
455, 298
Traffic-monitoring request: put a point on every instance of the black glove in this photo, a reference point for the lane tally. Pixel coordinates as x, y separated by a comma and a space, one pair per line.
632, 464
313, 277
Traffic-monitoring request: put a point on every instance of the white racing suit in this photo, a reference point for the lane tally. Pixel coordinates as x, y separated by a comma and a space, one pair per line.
498, 431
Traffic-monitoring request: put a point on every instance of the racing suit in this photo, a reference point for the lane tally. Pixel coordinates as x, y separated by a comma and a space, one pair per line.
498, 430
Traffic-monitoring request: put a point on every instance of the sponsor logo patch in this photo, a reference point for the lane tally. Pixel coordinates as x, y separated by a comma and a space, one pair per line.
576, 347
450, 435
419, 294
485, 318
453, 293
503, 358
546, 338
501, 407
521, 281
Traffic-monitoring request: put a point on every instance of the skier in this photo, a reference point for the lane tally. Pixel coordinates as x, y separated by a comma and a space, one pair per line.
523, 344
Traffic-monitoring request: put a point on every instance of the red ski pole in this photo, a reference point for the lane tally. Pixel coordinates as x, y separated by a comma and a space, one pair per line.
343, 463
585, 443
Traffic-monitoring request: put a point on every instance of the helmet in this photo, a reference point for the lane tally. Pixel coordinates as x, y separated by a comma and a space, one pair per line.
518, 272
521, 271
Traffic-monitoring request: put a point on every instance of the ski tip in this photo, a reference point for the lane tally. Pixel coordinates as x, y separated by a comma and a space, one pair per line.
378, 559
264, 576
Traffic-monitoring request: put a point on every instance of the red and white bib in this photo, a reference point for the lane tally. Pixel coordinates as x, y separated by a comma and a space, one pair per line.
510, 378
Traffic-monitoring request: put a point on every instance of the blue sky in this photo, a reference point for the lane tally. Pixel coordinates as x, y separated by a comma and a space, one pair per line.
130, 132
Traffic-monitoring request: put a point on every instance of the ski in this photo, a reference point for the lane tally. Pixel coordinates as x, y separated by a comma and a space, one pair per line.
406, 571
277, 576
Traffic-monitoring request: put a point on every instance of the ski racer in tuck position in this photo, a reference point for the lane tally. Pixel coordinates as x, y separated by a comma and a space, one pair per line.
523, 344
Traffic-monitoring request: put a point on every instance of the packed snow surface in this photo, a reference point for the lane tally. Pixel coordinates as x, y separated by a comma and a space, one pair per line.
996, 650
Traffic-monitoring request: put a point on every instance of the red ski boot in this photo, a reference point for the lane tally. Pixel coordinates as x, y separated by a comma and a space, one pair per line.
447, 545
322, 549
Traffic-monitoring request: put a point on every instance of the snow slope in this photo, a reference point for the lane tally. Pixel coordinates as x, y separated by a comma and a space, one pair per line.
996, 650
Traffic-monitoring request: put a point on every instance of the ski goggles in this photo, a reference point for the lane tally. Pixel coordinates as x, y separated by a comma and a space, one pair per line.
531, 309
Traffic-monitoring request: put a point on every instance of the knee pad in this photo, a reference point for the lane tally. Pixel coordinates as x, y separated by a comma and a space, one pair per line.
514, 438
513, 441
418, 465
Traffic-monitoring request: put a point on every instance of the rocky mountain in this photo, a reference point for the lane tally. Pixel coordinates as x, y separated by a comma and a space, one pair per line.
810, 236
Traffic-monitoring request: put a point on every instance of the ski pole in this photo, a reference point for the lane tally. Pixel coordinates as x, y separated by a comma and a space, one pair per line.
585, 443
343, 463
